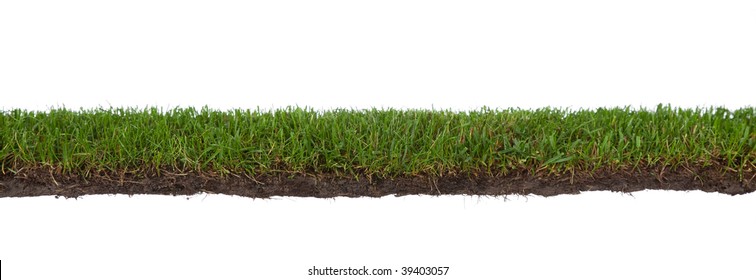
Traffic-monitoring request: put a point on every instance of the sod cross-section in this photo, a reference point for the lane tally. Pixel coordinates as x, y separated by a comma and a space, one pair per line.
300, 151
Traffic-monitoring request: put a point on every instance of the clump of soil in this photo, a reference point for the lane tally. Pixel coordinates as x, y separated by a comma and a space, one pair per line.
41, 182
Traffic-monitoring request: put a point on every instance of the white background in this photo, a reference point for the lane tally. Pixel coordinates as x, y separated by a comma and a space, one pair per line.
456, 55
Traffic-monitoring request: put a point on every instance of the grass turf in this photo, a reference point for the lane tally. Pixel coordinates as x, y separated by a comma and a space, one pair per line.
382, 143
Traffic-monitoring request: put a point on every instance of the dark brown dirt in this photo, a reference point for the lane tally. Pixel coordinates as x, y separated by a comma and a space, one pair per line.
42, 182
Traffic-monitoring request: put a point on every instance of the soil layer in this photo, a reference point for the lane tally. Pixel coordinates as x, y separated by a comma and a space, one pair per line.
47, 183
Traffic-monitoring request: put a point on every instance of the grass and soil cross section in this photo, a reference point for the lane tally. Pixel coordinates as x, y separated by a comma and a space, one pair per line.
375, 152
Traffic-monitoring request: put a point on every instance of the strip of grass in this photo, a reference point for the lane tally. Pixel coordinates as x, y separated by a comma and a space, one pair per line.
375, 142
